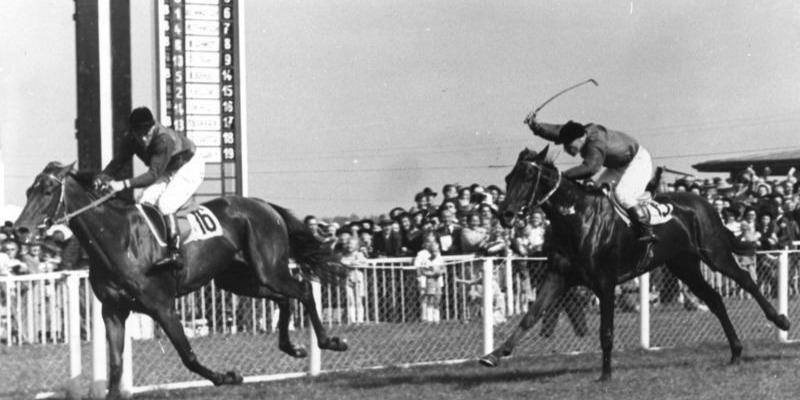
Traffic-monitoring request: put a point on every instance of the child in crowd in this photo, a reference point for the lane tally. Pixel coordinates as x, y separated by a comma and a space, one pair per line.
430, 277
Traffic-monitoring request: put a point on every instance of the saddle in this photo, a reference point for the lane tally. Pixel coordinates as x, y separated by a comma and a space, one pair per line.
195, 222
659, 212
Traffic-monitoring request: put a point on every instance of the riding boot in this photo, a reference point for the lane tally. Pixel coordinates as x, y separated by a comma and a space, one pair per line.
640, 219
174, 256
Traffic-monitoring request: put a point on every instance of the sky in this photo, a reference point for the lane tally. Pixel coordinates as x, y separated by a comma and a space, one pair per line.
356, 105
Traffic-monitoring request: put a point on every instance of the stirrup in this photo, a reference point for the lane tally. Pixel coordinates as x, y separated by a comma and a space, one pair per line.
173, 260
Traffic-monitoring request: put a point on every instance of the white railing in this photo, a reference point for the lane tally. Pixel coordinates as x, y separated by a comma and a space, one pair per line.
54, 313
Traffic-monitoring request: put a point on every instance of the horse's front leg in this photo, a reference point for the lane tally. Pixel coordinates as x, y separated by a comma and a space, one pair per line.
114, 316
166, 317
551, 289
606, 327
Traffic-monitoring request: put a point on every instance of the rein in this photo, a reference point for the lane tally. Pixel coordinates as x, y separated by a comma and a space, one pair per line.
546, 196
62, 203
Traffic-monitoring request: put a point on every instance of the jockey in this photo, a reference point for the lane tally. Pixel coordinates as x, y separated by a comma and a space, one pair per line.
173, 176
625, 160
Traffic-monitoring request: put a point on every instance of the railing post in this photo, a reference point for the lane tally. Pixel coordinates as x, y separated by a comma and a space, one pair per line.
74, 314
644, 310
99, 349
509, 278
488, 306
126, 381
315, 355
783, 290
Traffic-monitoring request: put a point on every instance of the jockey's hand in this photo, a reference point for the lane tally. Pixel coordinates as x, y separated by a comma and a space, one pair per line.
101, 180
530, 120
116, 186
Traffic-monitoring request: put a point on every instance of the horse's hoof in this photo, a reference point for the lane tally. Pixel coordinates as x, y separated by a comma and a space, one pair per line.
295, 351
783, 323
232, 378
336, 344
489, 360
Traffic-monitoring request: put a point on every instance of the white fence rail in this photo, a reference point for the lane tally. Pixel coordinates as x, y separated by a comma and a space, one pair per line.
48, 321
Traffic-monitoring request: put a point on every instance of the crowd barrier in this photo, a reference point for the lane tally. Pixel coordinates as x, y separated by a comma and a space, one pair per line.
48, 323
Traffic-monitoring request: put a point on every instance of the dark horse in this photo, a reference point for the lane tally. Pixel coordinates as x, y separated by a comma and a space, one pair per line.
593, 247
251, 258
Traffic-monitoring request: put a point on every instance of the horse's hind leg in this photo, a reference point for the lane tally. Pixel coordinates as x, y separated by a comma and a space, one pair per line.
724, 262
302, 292
687, 269
550, 290
284, 341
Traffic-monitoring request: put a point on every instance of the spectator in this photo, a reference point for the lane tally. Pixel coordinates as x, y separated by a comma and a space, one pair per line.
473, 236
355, 291
431, 195
449, 234
464, 197
313, 224
9, 263
389, 241
494, 194
449, 192
430, 277
496, 243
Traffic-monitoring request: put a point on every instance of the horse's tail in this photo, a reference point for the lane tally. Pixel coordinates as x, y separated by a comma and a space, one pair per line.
312, 256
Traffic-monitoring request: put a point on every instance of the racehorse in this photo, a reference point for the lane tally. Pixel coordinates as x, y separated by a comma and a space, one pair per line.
593, 247
250, 258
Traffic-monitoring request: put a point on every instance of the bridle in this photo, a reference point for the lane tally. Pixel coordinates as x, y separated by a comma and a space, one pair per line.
530, 204
62, 204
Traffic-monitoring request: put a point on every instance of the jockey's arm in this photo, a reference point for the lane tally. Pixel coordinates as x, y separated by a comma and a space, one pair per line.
122, 157
593, 158
545, 131
158, 164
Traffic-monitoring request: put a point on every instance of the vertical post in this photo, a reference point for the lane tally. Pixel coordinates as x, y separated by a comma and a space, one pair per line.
783, 290
488, 306
644, 310
99, 350
126, 381
315, 356
74, 312
509, 278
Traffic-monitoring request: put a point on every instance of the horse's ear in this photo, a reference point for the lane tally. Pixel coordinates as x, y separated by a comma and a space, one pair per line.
542, 156
67, 169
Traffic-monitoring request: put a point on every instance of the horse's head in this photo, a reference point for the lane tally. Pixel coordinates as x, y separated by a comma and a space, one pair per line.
530, 183
45, 199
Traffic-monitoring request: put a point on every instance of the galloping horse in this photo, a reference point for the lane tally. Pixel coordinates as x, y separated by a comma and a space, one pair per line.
250, 258
593, 247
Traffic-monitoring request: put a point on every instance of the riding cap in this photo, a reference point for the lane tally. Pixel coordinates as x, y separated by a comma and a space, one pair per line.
569, 132
141, 118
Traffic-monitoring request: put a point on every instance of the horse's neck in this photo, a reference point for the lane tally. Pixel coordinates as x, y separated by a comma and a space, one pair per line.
574, 212
98, 228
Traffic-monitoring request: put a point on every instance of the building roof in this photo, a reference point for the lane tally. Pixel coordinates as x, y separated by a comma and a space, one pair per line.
779, 162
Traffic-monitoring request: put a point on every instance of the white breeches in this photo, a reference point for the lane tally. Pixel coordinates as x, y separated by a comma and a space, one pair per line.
632, 179
168, 194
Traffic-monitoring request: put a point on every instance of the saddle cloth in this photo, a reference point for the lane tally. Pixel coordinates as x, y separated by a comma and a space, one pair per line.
659, 213
195, 222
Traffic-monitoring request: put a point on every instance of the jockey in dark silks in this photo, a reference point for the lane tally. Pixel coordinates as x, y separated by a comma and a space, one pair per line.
627, 163
173, 176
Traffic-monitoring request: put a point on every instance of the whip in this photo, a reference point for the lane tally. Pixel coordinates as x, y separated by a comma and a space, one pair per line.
531, 115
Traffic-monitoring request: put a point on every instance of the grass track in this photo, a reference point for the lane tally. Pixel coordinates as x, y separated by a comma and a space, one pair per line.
768, 371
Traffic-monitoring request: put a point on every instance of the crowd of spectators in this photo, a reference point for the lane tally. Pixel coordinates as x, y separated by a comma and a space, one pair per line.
56, 250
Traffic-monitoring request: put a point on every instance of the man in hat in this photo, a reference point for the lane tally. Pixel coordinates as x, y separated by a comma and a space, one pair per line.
625, 160
173, 175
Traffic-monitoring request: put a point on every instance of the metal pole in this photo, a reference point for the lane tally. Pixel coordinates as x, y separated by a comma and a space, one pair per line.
509, 271
644, 310
315, 355
783, 291
488, 309
74, 312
